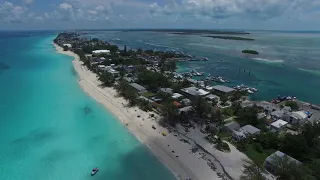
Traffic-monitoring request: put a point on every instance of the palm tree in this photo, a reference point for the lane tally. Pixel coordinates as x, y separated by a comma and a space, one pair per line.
251, 171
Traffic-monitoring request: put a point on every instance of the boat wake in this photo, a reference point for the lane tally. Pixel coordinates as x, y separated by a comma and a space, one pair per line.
268, 60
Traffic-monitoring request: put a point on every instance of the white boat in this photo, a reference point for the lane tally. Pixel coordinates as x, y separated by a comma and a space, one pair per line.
250, 92
94, 171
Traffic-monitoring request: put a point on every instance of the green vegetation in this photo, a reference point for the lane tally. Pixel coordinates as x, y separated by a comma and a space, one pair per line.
294, 105
222, 146
148, 94
65, 48
250, 52
257, 154
231, 38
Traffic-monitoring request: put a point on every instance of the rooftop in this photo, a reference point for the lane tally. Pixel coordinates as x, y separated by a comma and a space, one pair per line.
138, 87
232, 126
224, 89
176, 95
212, 97
250, 129
185, 109
167, 90
194, 91
299, 115
279, 123
280, 154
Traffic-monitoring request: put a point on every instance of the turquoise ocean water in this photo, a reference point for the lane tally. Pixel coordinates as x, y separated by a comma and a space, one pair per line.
288, 63
50, 129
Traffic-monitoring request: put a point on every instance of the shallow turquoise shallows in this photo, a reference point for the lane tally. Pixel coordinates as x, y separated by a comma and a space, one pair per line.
51, 130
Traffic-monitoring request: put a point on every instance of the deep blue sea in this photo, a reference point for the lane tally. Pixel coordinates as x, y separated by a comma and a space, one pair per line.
50, 129
288, 64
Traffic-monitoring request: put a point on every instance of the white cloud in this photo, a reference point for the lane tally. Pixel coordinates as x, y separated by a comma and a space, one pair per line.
229, 8
10, 13
76, 13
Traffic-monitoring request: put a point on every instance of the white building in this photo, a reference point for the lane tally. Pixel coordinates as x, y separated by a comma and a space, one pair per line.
68, 45
278, 125
176, 96
298, 117
99, 52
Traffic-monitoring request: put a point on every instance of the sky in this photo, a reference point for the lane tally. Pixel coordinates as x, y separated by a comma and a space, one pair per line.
195, 14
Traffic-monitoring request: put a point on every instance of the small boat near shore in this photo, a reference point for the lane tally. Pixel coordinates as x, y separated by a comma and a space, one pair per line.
247, 89
94, 171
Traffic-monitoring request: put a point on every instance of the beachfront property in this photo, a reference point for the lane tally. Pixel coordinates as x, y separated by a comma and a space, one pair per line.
138, 88
223, 89
100, 52
271, 161
278, 126
194, 92
231, 127
245, 132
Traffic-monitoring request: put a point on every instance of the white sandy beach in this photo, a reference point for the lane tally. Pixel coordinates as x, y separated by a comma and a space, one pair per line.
183, 163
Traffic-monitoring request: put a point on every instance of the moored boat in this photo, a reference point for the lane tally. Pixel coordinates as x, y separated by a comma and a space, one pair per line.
94, 171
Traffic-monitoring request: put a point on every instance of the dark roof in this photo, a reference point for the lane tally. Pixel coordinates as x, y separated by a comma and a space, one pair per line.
232, 126
224, 89
167, 90
138, 87
280, 154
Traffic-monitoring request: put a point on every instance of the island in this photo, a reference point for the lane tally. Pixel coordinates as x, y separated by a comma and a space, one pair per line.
248, 51
175, 115
189, 31
231, 38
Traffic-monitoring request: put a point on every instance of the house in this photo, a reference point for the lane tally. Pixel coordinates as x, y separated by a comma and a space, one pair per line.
298, 117
167, 91
186, 109
176, 96
194, 92
278, 125
213, 98
186, 102
113, 72
223, 89
277, 114
99, 52
232, 126
271, 161
138, 87
245, 132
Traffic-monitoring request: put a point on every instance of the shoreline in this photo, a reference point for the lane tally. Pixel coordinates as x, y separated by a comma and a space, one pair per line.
169, 150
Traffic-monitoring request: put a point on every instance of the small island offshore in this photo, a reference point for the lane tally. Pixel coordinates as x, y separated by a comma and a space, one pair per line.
197, 130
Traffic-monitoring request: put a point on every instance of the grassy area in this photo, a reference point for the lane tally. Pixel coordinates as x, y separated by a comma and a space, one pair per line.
148, 94
256, 156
